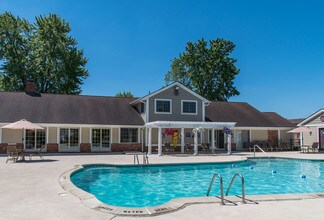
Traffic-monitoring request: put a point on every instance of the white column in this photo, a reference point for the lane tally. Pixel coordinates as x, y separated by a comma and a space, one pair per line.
196, 144
57, 135
90, 135
142, 138
149, 145
301, 139
201, 137
213, 141
80, 135
229, 144
182, 140
160, 142
0, 135
47, 135
250, 136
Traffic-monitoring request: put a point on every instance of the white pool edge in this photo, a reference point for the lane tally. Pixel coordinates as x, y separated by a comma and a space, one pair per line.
90, 201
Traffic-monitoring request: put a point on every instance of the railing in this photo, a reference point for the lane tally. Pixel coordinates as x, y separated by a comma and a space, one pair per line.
243, 186
220, 184
260, 150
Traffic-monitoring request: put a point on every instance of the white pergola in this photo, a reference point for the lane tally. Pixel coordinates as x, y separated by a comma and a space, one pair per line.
186, 124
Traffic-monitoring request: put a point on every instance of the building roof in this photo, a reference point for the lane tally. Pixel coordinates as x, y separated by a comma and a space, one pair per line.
104, 110
67, 109
244, 114
311, 117
167, 87
296, 121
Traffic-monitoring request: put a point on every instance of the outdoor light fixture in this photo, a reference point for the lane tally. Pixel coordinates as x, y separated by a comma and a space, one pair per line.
176, 90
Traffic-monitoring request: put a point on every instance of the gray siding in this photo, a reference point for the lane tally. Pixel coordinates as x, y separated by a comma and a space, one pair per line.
176, 106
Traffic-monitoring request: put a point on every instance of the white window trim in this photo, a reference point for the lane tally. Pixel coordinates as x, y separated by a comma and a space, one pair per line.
59, 140
163, 113
100, 148
184, 113
35, 139
119, 136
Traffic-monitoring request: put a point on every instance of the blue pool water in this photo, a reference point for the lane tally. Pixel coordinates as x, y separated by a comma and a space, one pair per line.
155, 185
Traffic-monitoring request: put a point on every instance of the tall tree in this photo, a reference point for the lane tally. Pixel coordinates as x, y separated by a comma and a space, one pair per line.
208, 70
15, 49
125, 94
43, 52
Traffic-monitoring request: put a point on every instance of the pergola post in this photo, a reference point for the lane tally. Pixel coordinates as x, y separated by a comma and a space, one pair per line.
160, 142
213, 141
196, 144
279, 138
149, 145
229, 144
0, 135
182, 140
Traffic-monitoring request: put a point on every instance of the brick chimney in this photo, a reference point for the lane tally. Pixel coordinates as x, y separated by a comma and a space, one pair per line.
30, 87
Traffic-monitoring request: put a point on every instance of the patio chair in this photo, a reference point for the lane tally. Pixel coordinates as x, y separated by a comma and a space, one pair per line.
167, 148
204, 147
314, 147
187, 148
13, 153
37, 153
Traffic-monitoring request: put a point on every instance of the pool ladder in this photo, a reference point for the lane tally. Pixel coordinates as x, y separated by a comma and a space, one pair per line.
244, 200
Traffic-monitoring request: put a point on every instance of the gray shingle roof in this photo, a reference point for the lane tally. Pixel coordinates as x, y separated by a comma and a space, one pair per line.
77, 109
244, 114
68, 109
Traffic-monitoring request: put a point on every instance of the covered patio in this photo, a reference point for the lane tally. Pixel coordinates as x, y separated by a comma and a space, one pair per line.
182, 125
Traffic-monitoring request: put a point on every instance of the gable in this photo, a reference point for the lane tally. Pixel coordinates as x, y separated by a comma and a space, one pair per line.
314, 119
171, 86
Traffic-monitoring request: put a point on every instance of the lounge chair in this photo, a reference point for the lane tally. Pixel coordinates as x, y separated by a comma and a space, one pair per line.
13, 153
37, 153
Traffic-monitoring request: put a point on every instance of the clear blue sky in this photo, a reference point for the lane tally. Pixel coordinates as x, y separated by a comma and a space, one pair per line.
280, 45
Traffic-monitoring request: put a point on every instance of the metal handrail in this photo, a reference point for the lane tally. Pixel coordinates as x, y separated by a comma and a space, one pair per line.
243, 186
220, 184
259, 149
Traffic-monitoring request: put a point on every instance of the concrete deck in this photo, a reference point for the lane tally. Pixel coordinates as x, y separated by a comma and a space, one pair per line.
31, 190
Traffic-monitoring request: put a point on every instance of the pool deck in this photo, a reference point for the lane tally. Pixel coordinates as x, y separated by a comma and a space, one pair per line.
32, 190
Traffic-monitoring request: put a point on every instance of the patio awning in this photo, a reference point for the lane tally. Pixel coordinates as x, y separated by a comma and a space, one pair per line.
189, 124
299, 129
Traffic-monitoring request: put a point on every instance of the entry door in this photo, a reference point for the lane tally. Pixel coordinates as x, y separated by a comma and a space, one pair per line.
321, 138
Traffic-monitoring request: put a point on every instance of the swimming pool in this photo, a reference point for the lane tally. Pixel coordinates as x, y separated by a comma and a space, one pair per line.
133, 186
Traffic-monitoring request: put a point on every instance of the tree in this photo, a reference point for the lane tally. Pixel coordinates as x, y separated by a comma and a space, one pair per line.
206, 69
125, 94
42, 52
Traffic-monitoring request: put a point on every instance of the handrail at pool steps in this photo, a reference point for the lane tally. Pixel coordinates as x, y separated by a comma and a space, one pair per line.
220, 184
260, 150
244, 199
243, 186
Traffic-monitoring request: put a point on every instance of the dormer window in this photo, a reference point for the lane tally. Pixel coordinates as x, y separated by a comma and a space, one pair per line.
163, 106
188, 107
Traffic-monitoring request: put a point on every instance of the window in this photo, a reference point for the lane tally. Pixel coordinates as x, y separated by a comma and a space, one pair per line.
142, 108
69, 138
35, 139
163, 106
100, 139
129, 135
189, 107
